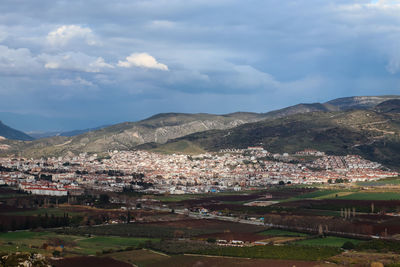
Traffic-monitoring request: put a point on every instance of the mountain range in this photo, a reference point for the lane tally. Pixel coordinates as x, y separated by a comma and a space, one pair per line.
10, 133
364, 125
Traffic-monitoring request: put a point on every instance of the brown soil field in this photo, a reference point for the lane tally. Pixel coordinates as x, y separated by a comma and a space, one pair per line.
284, 194
152, 259
141, 257
6, 208
89, 262
276, 194
345, 203
203, 261
211, 224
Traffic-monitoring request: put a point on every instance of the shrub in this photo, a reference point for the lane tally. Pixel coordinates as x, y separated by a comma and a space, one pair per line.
348, 245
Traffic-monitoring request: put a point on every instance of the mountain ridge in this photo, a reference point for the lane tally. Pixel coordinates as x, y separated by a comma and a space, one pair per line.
162, 128
11, 133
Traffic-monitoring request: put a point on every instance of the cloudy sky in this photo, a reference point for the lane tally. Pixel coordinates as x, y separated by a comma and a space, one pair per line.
79, 64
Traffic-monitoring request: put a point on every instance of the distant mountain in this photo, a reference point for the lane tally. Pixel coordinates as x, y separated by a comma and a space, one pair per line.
295, 127
39, 135
300, 109
159, 128
10, 133
360, 102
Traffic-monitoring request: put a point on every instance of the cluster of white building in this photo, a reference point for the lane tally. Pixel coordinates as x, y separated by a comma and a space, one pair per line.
232, 169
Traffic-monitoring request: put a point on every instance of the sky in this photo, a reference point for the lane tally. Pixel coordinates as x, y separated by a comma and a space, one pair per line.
71, 64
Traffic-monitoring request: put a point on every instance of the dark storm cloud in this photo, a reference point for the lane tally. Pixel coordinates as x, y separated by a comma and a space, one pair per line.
110, 61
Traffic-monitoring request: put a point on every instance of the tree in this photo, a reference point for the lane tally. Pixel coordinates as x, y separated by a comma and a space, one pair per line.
348, 245
128, 217
281, 183
211, 240
104, 199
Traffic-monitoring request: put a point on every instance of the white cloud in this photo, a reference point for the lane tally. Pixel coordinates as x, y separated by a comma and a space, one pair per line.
385, 3
75, 61
17, 61
73, 82
162, 24
394, 64
142, 60
3, 34
69, 33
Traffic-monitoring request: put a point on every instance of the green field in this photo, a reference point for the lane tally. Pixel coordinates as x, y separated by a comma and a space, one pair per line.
386, 181
77, 245
89, 246
277, 232
317, 194
372, 196
21, 235
330, 241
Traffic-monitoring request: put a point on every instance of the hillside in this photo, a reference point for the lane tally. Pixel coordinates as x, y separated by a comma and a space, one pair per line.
10, 133
39, 135
389, 106
159, 128
360, 102
374, 135
162, 128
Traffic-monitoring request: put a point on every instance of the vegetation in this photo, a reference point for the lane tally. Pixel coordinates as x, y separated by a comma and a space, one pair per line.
83, 245
380, 246
348, 245
386, 181
372, 196
180, 247
276, 252
137, 230
329, 241
331, 132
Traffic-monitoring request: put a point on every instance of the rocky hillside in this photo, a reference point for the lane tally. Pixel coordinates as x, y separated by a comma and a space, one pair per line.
372, 134
161, 128
360, 102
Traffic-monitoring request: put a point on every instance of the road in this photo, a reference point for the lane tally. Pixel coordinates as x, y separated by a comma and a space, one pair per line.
196, 215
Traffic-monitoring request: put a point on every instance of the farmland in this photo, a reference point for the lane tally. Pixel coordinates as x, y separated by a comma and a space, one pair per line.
156, 238
73, 245
372, 196
276, 252
329, 241
277, 232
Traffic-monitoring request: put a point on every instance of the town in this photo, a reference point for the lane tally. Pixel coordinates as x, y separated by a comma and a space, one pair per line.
227, 170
